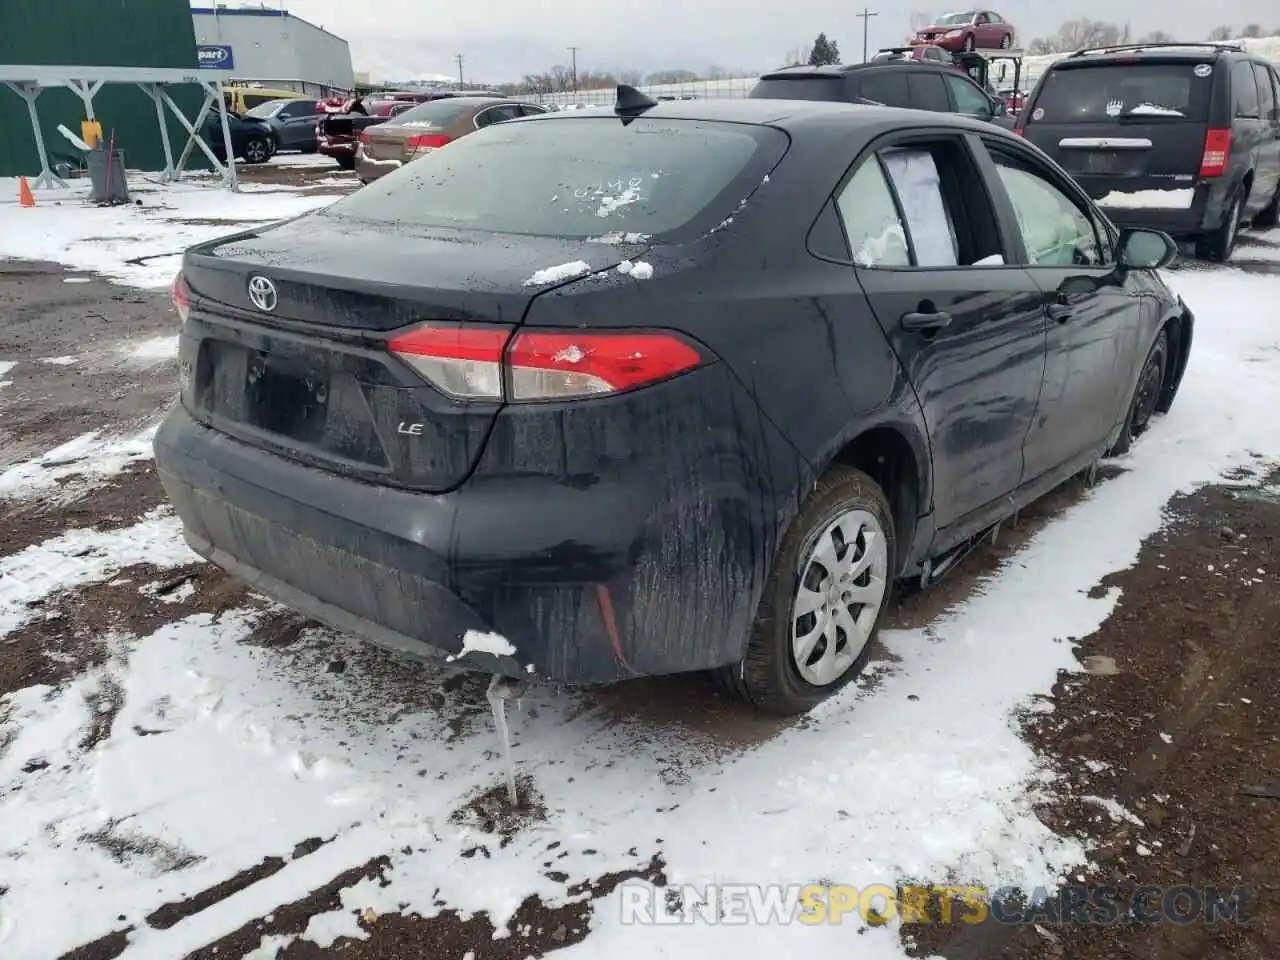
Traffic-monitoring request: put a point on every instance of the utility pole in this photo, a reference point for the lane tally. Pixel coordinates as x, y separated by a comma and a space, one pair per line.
573, 67
865, 16
458, 58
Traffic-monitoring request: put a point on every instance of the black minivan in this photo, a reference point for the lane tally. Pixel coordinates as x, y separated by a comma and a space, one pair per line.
1183, 138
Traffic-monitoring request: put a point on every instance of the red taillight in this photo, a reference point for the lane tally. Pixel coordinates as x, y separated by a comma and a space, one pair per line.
472, 363
1017, 132
426, 141
181, 296
1217, 146
364, 136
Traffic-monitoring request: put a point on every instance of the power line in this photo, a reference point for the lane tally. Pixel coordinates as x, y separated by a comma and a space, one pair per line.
865, 16
458, 58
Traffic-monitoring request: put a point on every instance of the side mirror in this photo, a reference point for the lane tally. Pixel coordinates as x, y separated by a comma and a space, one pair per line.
1147, 249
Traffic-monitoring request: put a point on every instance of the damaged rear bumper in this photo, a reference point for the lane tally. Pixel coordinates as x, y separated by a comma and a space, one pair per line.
590, 584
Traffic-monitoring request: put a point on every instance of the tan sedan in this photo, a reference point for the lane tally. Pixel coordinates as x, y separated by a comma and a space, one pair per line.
388, 146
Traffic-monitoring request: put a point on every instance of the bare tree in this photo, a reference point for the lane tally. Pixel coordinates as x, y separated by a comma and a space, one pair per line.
632, 78
1222, 32
1253, 30
1158, 36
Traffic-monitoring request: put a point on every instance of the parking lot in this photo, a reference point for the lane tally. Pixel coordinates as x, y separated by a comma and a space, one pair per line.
187, 770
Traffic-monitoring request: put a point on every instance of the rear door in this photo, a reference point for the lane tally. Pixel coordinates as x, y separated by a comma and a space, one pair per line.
928, 92
970, 338
1126, 125
498, 114
298, 121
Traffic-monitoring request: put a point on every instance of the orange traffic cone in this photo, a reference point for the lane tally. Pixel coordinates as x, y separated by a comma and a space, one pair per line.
25, 198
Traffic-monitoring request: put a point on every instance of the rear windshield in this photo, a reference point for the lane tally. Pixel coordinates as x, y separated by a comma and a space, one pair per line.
799, 88
1138, 92
576, 178
265, 111
431, 115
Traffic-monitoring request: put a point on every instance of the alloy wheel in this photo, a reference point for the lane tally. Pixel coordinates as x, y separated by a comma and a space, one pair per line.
841, 587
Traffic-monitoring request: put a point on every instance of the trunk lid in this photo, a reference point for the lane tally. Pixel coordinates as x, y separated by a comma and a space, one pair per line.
1125, 124
312, 378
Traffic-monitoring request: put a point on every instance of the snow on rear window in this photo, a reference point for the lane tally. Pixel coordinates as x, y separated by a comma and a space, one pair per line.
579, 177
1107, 93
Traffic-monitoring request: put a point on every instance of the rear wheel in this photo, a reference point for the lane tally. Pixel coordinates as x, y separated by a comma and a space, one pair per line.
346, 163
1146, 396
822, 605
257, 150
1218, 244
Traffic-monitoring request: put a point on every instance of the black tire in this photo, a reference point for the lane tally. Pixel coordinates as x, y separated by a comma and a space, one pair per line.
256, 150
1146, 396
1270, 215
768, 677
1218, 244
971, 42
346, 163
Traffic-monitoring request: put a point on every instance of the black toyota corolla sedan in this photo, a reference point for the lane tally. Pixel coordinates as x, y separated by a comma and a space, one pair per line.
686, 386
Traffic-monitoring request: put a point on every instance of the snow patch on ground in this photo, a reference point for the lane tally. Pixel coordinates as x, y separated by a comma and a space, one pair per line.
64, 228
477, 641
151, 351
89, 456
5, 367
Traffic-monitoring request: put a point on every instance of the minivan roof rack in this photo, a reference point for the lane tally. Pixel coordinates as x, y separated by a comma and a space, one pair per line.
1203, 44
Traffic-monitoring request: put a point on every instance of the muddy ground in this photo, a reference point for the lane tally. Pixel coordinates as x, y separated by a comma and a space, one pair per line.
1179, 713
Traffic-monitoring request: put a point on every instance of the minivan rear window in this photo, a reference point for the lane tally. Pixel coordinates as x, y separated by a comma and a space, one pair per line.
576, 178
1132, 92
799, 88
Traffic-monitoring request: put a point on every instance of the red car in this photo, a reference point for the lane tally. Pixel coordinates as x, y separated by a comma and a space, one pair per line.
974, 30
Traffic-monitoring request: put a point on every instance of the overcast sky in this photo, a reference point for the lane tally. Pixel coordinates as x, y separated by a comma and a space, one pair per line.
505, 39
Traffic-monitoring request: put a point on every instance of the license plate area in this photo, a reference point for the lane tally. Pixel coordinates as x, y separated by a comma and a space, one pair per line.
286, 396
1115, 163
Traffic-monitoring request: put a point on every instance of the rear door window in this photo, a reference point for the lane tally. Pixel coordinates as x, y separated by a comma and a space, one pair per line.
577, 177
928, 91
508, 111
1107, 93
875, 231
1244, 90
886, 86
1266, 93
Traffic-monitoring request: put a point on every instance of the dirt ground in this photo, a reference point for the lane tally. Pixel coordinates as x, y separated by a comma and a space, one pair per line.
1178, 712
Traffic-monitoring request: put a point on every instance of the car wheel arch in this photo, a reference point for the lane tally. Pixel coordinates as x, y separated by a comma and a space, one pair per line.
1177, 327
897, 459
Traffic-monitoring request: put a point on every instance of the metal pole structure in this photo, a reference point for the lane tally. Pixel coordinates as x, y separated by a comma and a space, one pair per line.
865, 16
457, 58
230, 176
573, 66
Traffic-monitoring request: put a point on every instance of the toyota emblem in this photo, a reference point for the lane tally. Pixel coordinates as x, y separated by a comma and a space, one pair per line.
263, 293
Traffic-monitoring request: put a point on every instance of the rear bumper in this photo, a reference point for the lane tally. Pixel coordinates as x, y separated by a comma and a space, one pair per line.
369, 169
629, 575
1179, 219
335, 147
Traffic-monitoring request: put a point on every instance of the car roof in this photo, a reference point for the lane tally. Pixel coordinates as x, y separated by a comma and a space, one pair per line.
790, 115
1148, 51
840, 69
468, 101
